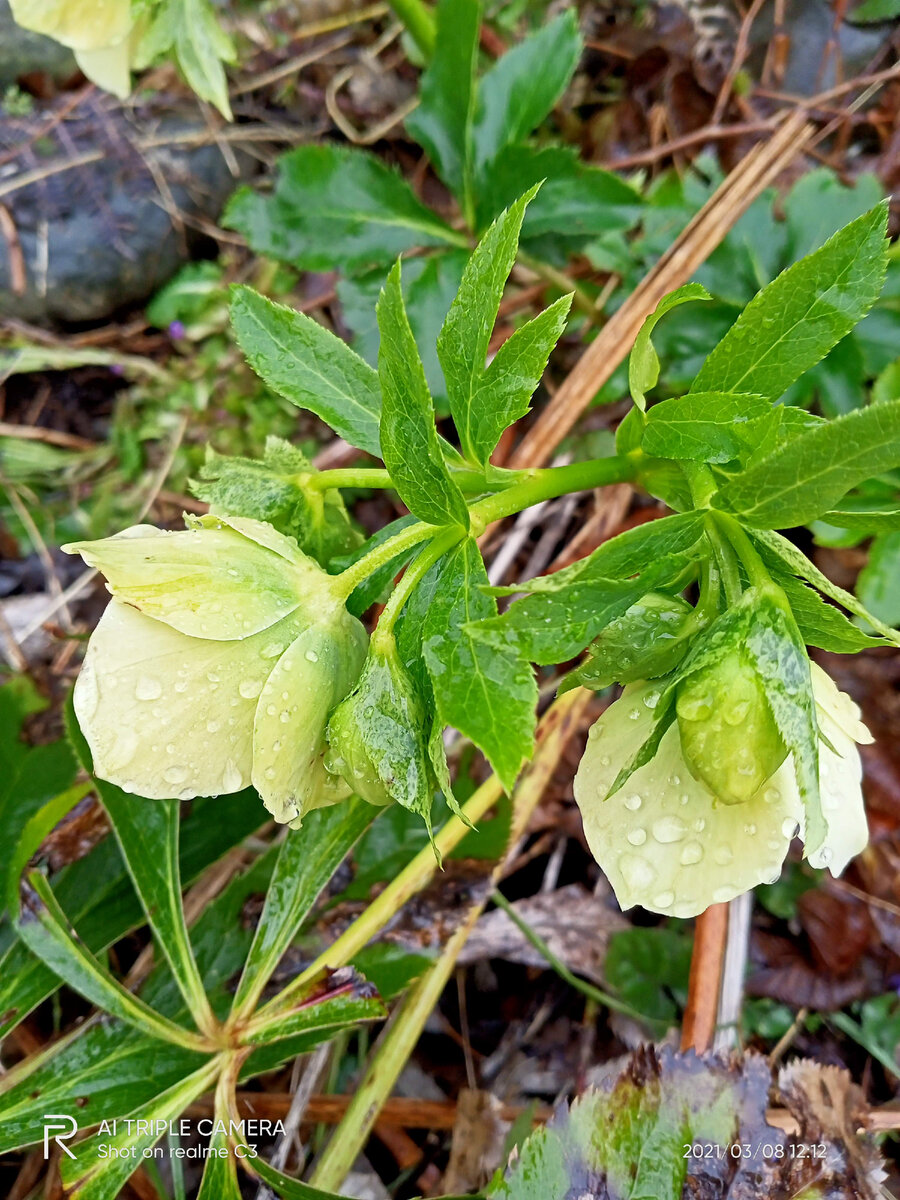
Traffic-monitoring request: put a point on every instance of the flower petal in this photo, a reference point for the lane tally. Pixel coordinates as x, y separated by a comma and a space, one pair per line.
661, 839
80, 24
169, 716
840, 775
208, 581
108, 66
311, 678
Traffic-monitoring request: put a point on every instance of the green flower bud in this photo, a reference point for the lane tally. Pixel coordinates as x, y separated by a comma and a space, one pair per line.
216, 664
377, 739
646, 642
729, 738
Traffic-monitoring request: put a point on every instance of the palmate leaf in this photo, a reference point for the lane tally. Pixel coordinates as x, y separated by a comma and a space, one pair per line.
308, 365
336, 207
90, 1177
409, 440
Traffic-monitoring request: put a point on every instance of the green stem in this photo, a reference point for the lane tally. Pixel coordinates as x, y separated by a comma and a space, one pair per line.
737, 536
419, 23
378, 477
727, 560
546, 484
383, 636
604, 999
533, 487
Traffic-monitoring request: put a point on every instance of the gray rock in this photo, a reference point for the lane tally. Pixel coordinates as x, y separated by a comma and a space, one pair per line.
94, 237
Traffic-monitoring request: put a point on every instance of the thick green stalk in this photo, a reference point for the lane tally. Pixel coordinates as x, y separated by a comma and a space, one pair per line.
419, 22
425, 560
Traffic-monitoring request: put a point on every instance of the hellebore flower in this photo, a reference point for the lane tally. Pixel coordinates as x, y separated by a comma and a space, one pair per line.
668, 842
216, 665
98, 31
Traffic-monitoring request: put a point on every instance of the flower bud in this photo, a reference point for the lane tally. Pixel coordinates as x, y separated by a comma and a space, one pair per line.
216, 664
644, 643
729, 738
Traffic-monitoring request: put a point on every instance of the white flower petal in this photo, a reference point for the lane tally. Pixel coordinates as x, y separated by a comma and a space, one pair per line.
109, 67
840, 775
207, 582
169, 716
661, 839
311, 678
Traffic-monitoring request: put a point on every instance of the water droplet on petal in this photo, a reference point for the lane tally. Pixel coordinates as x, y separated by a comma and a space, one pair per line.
637, 837
790, 827
636, 872
175, 774
723, 894
691, 853
632, 802
147, 688
723, 855
231, 777
250, 688
663, 900
669, 829
311, 656
212, 726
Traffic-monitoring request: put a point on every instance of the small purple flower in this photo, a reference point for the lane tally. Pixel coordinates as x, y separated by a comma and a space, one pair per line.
176, 330
117, 369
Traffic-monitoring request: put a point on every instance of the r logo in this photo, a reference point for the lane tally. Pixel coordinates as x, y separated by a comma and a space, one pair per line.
60, 1133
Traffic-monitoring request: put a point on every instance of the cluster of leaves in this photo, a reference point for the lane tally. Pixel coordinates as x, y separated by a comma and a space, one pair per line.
344, 208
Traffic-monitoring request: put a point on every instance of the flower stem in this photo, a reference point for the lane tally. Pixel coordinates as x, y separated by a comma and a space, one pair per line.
383, 636
377, 477
753, 564
419, 23
727, 560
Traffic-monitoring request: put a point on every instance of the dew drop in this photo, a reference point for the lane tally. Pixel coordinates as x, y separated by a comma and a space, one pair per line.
231, 777
123, 749
604, 760
652, 699
175, 774
632, 802
669, 829
723, 894
699, 825
637, 837
272, 649
790, 828
285, 717
663, 900
750, 829
691, 853
723, 855
269, 772
634, 714
311, 656
637, 872
147, 688
212, 726
271, 710
250, 688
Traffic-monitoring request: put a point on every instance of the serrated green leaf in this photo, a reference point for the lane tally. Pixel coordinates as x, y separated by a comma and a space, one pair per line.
308, 365
822, 624
334, 206
807, 475
643, 362
462, 343
409, 441
793, 323
878, 584
576, 200
778, 550
488, 694
429, 285
712, 427
296, 883
503, 394
521, 88
442, 122
87, 1176
663, 716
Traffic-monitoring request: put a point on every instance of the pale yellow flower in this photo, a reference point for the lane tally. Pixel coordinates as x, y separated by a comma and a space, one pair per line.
98, 31
666, 842
216, 665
